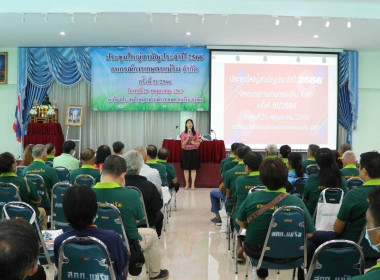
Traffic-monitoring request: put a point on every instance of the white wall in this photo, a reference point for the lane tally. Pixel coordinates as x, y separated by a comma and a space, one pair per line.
8, 101
367, 136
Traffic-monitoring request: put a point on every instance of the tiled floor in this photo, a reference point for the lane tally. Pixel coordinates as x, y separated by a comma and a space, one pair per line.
193, 248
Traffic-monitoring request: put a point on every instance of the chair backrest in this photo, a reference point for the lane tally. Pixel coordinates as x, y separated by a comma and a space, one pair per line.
312, 169
39, 185
336, 259
8, 192
19, 170
49, 163
22, 210
298, 186
84, 258
85, 179
332, 195
58, 219
142, 202
354, 182
286, 236
109, 217
257, 188
63, 174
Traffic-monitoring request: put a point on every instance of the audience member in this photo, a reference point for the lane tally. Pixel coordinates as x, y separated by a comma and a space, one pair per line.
338, 159
311, 151
328, 176
151, 152
163, 155
111, 189
39, 167
271, 151
118, 148
19, 249
150, 173
285, 150
349, 169
80, 207
67, 159
87, 158
274, 175
229, 158
344, 148
50, 149
102, 153
28, 156
295, 167
152, 198
25, 187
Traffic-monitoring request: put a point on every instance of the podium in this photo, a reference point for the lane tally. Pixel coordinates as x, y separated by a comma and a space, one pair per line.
43, 133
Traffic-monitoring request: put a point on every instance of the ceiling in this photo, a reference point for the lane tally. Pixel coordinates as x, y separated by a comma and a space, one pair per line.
236, 23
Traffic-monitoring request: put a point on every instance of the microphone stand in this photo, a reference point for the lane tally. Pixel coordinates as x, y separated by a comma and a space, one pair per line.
213, 131
171, 133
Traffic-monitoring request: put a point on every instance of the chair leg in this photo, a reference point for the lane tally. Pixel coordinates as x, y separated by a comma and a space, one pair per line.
228, 233
235, 249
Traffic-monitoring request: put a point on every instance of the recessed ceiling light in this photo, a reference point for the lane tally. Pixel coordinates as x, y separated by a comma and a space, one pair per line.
277, 22
188, 33
62, 33
316, 36
327, 24
348, 24
299, 23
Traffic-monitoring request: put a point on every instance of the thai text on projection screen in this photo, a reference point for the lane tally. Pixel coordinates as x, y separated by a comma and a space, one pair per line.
283, 98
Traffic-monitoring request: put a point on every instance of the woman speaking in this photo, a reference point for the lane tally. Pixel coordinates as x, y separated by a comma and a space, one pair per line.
190, 161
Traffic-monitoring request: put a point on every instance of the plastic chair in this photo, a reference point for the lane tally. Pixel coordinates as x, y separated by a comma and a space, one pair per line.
49, 163
312, 169
19, 170
84, 179
336, 259
285, 241
298, 186
354, 182
8, 192
58, 219
63, 174
22, 210
84, 258
39, 185
329, 195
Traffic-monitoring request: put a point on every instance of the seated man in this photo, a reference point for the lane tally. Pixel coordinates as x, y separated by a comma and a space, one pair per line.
118, 148
25, 187
349, 169
271, 151
50, 149
152, 198
111, 189
343, 148
19, 249
373, 232
151, 152
311, 151
39, 167
229, 158
274, 175
80, 207
67, 158
87, 158
150, 173
171, 177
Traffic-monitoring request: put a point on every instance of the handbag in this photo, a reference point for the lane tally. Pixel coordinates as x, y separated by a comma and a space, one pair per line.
267, 206
136, 260
326, 213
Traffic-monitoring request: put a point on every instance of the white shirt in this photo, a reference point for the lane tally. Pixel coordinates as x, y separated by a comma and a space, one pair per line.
152, 175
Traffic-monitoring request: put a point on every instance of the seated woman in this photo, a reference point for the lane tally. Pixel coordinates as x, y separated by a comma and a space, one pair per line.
328, 176
27, 157
274, 175
295, 167
102, 153
80, 206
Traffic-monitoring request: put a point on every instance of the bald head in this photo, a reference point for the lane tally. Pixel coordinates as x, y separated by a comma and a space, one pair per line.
142, 151
87, 157
348, 158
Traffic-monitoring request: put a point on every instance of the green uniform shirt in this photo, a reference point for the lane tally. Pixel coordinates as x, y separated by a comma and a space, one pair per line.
48, 173
161, 169
257, 229
127, 201
26, 194
353, 209
243, 184
224, 161
66, 160
372, 274
230, 175
170, 171
86, 170
350, 171
307, 162
50, 158
313, 189
285, 160
228, 165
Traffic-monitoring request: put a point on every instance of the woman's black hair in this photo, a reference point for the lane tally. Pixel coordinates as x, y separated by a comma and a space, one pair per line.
329, 173
102, 153
192, 129
295, 161
6, 162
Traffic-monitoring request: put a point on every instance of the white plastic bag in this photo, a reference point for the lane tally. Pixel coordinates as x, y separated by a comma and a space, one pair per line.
223, 217
326, 213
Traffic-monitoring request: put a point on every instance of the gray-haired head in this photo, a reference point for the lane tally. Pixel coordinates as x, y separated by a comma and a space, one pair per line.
272, 150
39, 150
134, 162
349, 157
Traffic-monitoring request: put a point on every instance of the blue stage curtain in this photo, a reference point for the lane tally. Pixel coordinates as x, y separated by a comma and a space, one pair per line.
348, 91
38, 68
